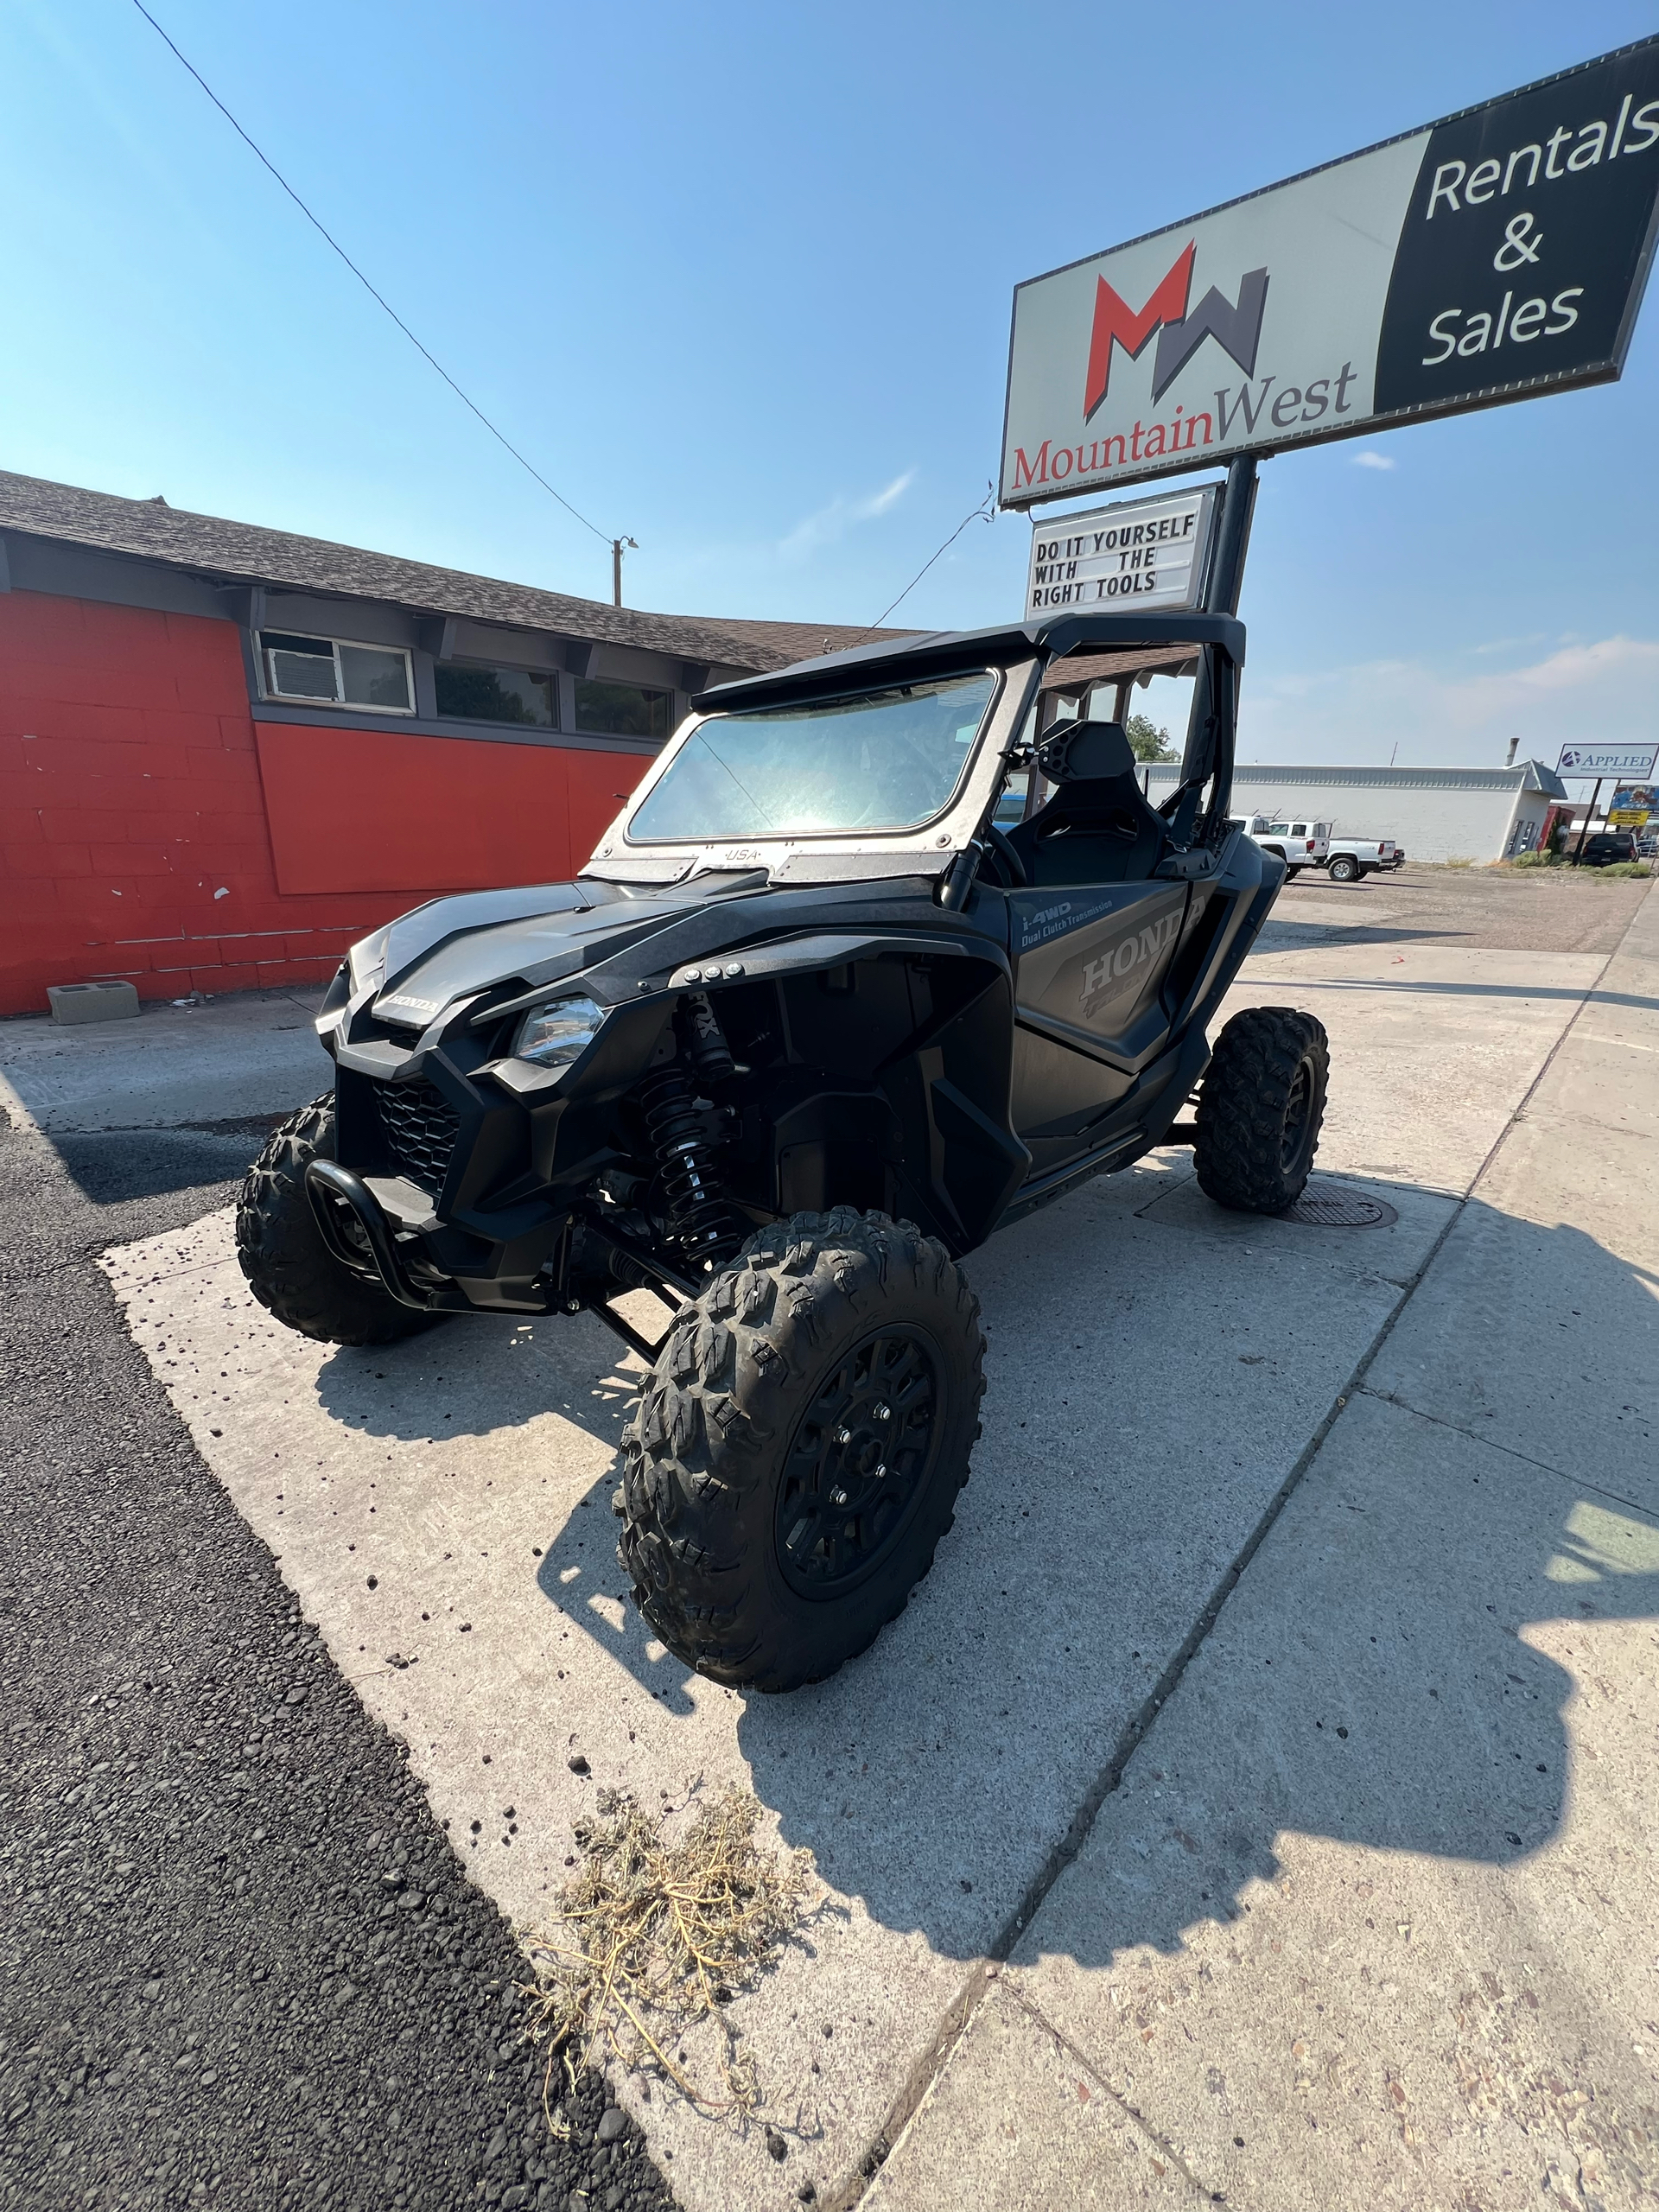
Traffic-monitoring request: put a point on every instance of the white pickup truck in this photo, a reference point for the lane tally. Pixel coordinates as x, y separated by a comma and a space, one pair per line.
1351, 858
1299, 844
1310, 844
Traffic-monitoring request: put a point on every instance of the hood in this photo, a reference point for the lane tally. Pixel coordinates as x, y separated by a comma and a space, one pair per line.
452, 948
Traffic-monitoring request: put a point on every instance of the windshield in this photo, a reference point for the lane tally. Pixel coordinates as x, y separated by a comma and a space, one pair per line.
877, 761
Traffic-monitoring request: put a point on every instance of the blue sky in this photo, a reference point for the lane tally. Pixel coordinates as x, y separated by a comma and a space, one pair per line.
737, 279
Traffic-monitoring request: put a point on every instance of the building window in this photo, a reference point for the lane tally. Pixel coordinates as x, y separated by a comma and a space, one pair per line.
497, 695
329, 670
624, 710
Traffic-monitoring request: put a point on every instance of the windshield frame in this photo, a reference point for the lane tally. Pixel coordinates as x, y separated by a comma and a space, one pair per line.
865, 833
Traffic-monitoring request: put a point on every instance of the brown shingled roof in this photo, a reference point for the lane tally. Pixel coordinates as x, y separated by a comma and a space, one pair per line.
239, 551
1077, 670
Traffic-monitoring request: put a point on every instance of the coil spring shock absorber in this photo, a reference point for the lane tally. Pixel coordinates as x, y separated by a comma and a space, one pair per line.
700, 1223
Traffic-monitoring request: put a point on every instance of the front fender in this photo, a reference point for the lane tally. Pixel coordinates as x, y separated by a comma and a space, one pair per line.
945, 1074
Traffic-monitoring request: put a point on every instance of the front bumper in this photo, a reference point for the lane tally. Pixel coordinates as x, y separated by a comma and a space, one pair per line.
368, 1244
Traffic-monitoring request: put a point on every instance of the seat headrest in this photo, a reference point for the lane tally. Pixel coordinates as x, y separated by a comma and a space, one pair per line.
1088, 751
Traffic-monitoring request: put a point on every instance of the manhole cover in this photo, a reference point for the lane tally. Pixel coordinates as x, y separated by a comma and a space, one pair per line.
1332, 1205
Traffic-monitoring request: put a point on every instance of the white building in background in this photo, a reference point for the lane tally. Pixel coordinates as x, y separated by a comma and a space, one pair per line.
1437, 814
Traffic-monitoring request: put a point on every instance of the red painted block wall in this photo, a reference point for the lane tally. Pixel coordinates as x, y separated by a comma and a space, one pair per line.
150, 830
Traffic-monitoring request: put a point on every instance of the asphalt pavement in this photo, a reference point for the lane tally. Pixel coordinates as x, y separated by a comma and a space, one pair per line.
241, 1963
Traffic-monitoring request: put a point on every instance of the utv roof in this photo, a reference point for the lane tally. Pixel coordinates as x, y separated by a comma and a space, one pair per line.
935, 652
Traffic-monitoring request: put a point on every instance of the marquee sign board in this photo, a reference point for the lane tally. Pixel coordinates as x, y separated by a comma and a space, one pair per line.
1497, 255
1636, 760
1140, 553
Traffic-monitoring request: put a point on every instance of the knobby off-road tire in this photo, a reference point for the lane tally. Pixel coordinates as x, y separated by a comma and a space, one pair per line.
1260, 1107
798, 1449
289, 1270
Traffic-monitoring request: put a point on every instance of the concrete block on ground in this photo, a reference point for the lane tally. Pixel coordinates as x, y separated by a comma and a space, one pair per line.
73, 1003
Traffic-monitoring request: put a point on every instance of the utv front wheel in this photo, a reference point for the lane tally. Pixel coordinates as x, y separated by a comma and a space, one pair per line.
798, 1447
1260, 1107
289, 1270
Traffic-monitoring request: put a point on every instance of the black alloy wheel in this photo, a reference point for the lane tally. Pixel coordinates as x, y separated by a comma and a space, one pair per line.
799, 1445
859, 1460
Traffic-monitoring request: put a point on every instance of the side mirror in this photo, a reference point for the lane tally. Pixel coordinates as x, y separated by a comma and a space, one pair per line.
1085, 752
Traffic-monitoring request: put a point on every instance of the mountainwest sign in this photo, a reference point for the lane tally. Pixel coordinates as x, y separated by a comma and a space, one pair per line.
1494, 256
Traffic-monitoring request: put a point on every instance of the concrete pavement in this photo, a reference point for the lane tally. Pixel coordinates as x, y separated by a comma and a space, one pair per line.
1370, 1918
1159, 1374
187, 1066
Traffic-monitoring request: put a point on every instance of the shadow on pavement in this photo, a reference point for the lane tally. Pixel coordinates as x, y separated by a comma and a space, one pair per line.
493, 1373
1286, 932
109, 1166
1418, 983
1150, 1391
1398, 1705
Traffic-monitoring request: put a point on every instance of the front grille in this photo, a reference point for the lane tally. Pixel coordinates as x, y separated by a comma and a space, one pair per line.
421, 1127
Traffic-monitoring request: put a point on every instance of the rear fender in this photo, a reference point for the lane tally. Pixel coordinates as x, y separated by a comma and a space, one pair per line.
1223, 922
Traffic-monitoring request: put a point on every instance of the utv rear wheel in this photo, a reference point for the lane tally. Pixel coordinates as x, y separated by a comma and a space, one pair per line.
289, 1270
1260, 1107
798, 1447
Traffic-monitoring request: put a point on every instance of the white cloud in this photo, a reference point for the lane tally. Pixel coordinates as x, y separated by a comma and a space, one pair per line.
833, 522
1367, 459
1437, 714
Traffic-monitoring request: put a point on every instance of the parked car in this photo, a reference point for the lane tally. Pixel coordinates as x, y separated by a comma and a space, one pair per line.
1351, 858
1298, 844
1606, 848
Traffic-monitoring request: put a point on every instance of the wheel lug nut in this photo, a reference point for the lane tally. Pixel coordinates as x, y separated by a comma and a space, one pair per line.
883, 1413
843, 1436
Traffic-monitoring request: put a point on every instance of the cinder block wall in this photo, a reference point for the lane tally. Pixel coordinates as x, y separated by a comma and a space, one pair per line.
136, 835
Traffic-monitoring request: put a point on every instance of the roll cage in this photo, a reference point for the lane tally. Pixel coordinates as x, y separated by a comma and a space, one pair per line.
950, 845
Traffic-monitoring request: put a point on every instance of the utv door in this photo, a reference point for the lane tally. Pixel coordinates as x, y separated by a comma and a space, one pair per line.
1088, 966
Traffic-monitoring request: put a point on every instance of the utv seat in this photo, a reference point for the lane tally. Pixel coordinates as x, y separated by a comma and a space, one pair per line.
1096, 827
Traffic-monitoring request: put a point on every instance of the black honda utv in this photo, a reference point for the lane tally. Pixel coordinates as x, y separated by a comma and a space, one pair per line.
809, 1026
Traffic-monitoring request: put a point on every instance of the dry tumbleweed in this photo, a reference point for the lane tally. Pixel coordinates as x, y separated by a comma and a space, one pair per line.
657, 1934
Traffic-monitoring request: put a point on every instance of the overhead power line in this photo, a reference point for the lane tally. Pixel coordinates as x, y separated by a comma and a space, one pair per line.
985, 512
378, 297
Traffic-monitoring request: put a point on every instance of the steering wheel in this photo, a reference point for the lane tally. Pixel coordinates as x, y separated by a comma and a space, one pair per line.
1002, 848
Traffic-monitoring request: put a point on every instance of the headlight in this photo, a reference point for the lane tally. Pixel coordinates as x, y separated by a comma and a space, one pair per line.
554, 1035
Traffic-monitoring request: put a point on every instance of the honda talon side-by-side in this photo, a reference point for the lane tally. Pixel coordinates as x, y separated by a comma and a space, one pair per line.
809, 1028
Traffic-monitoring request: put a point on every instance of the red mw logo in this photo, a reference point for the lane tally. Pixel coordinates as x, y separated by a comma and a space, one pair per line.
1235, 325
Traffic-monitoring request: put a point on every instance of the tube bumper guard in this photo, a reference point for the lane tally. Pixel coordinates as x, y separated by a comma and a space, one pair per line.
358, 1235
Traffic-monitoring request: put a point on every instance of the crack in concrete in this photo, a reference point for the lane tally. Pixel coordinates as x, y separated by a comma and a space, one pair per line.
1491, 1444
1132, 2114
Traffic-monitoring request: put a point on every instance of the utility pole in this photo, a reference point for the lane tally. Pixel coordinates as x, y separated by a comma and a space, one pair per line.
617, 545
1595, 801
